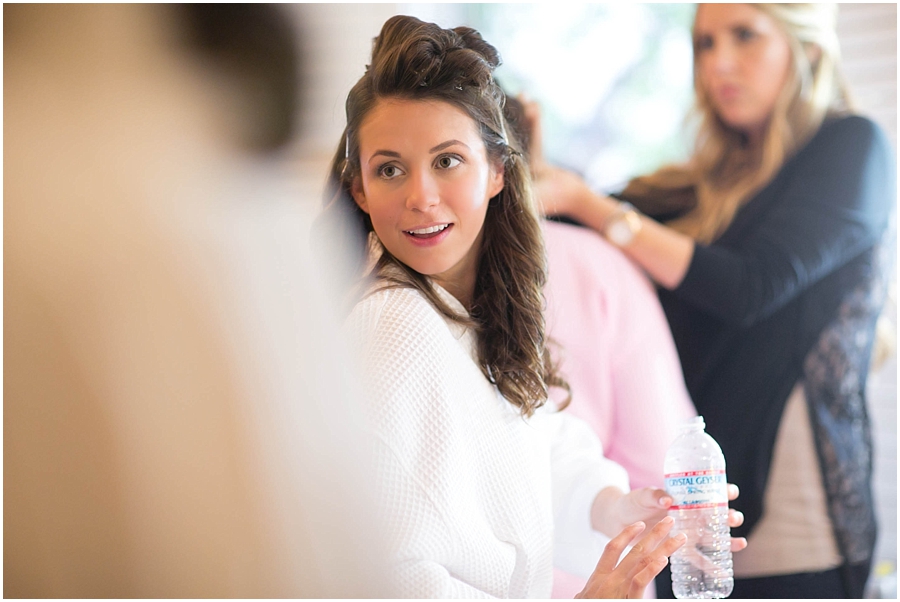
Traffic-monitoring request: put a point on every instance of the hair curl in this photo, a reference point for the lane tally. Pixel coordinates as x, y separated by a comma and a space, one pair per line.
414, 60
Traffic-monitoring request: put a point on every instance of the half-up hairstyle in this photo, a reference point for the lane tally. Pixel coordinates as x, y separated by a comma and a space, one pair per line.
725, 172
414, 60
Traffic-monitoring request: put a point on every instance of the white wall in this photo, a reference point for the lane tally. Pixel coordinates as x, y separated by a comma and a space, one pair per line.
868, 34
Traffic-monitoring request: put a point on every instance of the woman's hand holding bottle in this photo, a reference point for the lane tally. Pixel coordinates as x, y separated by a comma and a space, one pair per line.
612, 509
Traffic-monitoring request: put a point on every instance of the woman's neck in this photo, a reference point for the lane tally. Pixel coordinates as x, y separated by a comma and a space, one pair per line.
754, 136
462, 291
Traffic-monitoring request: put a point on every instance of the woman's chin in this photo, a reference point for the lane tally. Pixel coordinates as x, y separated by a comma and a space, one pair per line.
748, 125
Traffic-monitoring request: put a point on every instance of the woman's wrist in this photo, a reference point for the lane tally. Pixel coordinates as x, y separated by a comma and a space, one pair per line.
604, 511
623, 225
588, 207
576, 197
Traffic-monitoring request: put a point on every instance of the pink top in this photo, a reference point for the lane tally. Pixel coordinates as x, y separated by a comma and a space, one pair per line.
616, 352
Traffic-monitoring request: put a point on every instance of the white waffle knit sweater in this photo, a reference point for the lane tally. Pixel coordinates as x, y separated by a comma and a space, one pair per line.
473, 495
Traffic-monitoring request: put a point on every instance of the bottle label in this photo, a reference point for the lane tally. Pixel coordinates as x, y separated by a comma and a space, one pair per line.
697, 489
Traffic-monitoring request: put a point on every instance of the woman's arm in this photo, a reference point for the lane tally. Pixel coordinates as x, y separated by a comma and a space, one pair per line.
421, 544
833, 204
662, 252
414, 449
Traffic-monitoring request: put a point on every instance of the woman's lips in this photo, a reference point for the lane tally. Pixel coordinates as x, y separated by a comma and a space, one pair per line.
427, 236
728, 93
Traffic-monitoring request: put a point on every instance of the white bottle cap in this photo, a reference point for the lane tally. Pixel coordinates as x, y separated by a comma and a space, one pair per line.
694, 424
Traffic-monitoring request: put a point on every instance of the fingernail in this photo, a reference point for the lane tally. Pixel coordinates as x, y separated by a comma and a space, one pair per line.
665, 502
668, 520
681, 537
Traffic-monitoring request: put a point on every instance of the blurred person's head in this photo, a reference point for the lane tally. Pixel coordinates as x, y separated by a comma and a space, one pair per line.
755, 63
420, 71
142, 450
252, 51
244, 55
765, 78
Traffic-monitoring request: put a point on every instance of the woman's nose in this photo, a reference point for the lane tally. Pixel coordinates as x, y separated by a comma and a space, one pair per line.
722, 57
422, 192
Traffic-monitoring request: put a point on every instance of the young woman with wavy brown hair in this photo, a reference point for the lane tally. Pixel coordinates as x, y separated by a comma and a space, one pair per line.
769, 247
477, 473
506, 302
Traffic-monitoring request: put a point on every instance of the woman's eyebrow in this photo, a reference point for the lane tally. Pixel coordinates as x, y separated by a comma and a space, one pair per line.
439, 147
386, 153
444, 145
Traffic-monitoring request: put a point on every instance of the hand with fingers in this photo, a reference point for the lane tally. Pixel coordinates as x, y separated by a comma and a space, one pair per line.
693, 547
735, 519
613, 510
532, 113
557, 190
629, 577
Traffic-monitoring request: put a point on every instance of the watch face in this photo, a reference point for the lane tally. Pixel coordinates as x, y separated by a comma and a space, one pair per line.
619, 232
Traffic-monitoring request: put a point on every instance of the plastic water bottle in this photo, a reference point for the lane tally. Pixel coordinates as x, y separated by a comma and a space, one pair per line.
695, 478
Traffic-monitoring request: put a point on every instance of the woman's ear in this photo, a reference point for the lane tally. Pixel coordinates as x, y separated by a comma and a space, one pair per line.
359, 195
496, 181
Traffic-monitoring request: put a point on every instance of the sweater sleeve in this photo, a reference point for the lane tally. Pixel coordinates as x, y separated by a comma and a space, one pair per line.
579, 472
410, 444
420, 540
834, 204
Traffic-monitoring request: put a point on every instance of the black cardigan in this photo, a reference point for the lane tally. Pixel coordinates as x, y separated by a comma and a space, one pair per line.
755, 303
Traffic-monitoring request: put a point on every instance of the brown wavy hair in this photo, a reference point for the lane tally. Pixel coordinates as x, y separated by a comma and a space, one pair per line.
414, 60
724, 171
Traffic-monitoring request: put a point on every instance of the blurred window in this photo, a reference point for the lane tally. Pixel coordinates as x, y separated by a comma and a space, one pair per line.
614, 80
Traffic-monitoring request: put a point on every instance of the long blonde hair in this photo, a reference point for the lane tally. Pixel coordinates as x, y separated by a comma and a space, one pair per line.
724, 172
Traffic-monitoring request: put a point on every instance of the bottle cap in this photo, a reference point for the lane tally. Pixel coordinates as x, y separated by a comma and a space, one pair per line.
694, 424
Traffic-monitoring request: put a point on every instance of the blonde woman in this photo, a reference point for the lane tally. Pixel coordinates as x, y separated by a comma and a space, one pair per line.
766, 247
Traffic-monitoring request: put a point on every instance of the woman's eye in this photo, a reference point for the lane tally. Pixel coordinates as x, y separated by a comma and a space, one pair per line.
743, 34
703, 43
447, 162
389, 172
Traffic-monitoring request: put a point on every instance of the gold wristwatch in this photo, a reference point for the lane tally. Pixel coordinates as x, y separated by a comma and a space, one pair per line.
623, 225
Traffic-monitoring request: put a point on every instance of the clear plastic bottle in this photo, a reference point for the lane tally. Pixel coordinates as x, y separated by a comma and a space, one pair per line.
695, 478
